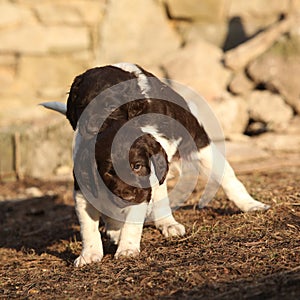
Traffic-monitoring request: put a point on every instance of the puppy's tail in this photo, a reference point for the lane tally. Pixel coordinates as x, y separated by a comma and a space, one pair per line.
57, 106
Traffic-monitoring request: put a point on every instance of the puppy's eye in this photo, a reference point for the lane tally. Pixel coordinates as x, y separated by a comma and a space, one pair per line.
112, 172
137, 167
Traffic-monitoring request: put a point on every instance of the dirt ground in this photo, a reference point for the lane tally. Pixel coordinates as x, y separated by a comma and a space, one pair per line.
225, 254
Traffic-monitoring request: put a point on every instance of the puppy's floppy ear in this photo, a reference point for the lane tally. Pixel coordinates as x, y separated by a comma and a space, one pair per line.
158, 156
160, 163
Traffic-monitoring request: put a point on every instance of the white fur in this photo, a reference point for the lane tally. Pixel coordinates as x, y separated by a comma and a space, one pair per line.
162, 213
76, 142
142, 79
213, 163
88, 216
233, 188
131, 232
170, 146
56, 106
126, 234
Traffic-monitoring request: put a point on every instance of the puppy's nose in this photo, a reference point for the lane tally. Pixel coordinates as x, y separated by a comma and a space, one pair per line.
129, 195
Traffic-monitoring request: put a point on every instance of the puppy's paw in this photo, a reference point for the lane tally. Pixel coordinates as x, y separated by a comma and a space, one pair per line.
170, 230
131, 252
253, 205
87, 258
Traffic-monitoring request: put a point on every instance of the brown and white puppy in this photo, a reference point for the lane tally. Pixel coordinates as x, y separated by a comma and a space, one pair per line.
141, 187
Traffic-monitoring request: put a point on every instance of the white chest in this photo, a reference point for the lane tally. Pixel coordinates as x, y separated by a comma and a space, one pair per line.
169, 145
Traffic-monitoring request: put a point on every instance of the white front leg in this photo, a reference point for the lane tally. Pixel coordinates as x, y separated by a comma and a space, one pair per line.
88, 216
162, 213
210, 161
131, 233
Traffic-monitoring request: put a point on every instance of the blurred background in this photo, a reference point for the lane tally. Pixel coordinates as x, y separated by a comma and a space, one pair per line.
242, 56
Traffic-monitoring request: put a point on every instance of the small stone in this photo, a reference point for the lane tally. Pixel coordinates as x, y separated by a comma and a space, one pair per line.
33, 291
33, 192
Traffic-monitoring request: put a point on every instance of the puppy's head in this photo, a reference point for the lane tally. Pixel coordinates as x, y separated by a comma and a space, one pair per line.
131, 180
147, 155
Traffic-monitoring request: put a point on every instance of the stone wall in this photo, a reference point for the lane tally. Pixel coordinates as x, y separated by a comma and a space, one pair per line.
45, 44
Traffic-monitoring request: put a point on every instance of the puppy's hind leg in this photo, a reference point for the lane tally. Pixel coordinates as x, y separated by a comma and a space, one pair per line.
88, 216
213, 162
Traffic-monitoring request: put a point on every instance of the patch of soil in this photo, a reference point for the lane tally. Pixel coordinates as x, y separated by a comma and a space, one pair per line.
224, 255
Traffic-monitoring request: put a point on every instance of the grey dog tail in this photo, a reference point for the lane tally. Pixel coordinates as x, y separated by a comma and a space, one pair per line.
57, 106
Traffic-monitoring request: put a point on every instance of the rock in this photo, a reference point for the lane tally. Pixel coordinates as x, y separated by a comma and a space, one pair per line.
279, 142
65, 170
7, 76
92, 12
23, 111
6, 153
50, 93
50, 76
241, 84
49, 145
8, 63
197, 65
212, 32
213, 10
293, 126
201, 109
269, 108
19, 43
256, 128
208, 20
279, 69
239, 57
65, 38
71, 13
44, 39
232, 113
58, 13
8, 59
11, 14
237, 137
45, 44
244, 151
257, 14
140, 34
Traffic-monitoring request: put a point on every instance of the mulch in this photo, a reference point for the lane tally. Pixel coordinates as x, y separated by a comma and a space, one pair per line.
225, 254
